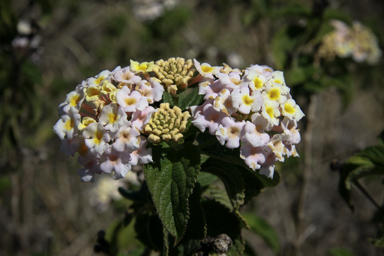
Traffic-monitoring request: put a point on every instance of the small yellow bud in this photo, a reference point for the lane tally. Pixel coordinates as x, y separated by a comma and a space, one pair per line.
174, 73
167, 123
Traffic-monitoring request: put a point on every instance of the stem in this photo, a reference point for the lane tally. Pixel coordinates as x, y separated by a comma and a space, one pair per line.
165, 242
306, 172
370, 198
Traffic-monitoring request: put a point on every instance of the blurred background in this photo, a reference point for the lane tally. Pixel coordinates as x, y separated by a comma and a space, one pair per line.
48, 47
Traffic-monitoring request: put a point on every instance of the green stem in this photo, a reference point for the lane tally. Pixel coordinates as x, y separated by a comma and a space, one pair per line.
165, 242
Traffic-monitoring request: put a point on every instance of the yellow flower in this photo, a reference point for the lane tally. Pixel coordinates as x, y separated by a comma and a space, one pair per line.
143, 67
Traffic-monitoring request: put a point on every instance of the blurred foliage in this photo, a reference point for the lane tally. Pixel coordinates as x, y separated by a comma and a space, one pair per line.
340, 252
368, 163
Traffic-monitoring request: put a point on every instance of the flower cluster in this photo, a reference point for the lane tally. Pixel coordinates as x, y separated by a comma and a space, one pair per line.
104, 117
250, 109
356, 41
110, 119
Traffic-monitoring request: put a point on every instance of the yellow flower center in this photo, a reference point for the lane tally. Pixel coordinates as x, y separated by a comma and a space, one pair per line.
207, 69
130, 101
69, 124
98, 137
278, 81
274, 94
143, 67
247, 100
234, 132
74, 100
258, 83
99, 79
289, 108
269, 111
112, 118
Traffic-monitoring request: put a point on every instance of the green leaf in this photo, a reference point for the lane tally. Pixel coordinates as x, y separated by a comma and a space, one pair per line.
196, 229
127, 219
120, 236
140, 196
299, 75
206, 179
283, 43
340, 252
219, 195
149, 231
171, 178
368, 162
190, 97
260, 227
231, 176
167, 98
220, 220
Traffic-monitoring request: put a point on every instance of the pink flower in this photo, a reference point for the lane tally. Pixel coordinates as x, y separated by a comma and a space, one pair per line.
116, 161
229, 131
208, 118
253, 156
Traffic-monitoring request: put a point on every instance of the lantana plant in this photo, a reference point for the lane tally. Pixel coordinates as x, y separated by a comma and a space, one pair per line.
186, 123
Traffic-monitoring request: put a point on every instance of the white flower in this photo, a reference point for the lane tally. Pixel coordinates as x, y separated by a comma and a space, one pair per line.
113, 117
130, 101
66, 126
246, 102
205, 69
96, 138
291, 110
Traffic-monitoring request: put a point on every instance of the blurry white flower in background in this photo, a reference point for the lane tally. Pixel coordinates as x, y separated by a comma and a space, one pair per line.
235, 60
28, 40
146, 10
105, 191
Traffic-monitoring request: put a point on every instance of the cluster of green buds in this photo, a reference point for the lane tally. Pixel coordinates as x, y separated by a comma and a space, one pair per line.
167, 124
174, 73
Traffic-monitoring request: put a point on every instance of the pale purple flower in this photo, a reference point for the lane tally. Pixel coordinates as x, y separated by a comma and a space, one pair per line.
208, 118
87, 173
250, 134
142, 155
141, 118
126, 138
126, 76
